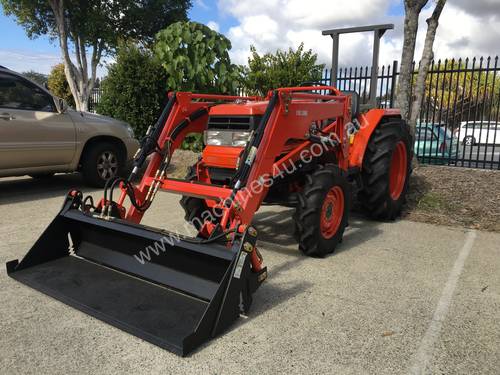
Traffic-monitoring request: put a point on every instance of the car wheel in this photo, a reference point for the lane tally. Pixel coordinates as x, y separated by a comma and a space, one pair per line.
469, 141
101, 162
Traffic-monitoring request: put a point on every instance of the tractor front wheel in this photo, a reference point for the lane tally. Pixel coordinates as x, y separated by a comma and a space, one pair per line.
322, 211
193, 207
386, 170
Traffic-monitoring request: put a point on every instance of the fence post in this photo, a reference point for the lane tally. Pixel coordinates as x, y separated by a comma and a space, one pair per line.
393, 81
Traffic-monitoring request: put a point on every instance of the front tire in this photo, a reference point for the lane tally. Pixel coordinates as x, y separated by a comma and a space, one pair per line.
195, 209
101, 162
322, 211
386, 170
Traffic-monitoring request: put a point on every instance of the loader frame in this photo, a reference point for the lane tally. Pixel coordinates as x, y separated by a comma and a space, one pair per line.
289, 115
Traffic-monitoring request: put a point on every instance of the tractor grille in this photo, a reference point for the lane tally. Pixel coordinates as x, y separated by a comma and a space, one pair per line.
234, 122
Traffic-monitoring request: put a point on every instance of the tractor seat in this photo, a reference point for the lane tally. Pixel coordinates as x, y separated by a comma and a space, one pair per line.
355, 108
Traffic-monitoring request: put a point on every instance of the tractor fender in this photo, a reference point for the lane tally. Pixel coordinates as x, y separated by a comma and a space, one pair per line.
368, 123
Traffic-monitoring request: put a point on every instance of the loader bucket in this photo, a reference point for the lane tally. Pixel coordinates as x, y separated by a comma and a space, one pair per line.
184, 295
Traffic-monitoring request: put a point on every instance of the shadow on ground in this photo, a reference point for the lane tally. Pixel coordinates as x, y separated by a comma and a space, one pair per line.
276, 229
17, 190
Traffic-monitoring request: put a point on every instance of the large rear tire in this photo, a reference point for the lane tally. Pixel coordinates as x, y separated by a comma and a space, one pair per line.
322, 211
386, 170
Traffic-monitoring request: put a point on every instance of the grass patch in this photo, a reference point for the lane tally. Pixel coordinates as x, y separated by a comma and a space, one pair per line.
432, 201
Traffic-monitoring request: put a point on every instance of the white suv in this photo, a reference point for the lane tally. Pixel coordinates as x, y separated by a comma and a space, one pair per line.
473, 133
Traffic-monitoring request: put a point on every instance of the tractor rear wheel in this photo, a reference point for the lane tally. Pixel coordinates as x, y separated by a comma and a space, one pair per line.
386, 170
322, 211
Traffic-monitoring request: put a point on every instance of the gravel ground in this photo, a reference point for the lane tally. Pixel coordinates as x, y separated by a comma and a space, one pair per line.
455, 196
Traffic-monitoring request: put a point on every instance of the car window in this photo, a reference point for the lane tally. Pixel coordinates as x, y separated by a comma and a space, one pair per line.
425, 135
17, 93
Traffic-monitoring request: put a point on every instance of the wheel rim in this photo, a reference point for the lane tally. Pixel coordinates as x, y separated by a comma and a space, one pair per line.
398, 170
107, 165
332, 212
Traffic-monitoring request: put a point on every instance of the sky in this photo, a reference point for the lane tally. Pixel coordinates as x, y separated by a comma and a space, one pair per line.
467, 28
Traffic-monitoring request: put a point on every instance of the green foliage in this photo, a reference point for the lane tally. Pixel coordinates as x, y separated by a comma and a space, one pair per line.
146, 18
36, 77
97, 21
281, 69
89, 29
58, 84
196, 58
193, 142
135, 88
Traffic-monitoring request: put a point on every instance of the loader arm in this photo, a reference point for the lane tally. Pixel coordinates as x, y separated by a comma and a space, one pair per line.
288, 116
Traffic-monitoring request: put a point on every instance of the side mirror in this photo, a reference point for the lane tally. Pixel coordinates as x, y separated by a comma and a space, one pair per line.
60, 105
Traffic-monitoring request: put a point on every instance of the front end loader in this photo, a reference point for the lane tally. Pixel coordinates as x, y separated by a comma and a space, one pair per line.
303, 147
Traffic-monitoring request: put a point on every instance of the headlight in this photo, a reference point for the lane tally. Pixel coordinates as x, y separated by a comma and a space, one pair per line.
240, 139
214, 138
226, 138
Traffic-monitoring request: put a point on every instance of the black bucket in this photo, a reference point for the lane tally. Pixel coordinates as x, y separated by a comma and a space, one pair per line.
182, 296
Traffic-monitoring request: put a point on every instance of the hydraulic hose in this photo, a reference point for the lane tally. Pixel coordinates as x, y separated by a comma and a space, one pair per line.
248, 156
150, 142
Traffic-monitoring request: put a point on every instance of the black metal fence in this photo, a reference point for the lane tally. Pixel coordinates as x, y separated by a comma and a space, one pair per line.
94, 99
459, 122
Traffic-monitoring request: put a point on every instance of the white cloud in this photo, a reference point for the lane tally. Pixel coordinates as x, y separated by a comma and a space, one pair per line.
21, 61
462, 33
202, 4
279, 24
467, 28
41, 62
213, 25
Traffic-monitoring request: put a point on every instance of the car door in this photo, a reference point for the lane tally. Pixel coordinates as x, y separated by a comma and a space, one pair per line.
32, 132
425, 142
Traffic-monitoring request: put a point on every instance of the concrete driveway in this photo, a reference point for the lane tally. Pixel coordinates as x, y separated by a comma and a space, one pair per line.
395, 298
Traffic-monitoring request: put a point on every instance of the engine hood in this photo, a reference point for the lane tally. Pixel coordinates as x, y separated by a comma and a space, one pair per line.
239, 109
92, 118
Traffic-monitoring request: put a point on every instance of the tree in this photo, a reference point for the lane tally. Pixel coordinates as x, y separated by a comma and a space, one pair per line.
92, 28
135, 88
58, 84
427, 56
281, 69
412, 12
196, 58
39, 78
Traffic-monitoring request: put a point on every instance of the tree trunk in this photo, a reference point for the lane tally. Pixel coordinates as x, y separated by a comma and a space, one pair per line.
427, 56
412, 11
77, 76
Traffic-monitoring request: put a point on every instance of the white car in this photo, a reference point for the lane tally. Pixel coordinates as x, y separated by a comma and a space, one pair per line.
473, 133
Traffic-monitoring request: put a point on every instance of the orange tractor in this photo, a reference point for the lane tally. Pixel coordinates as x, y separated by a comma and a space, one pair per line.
303, 147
